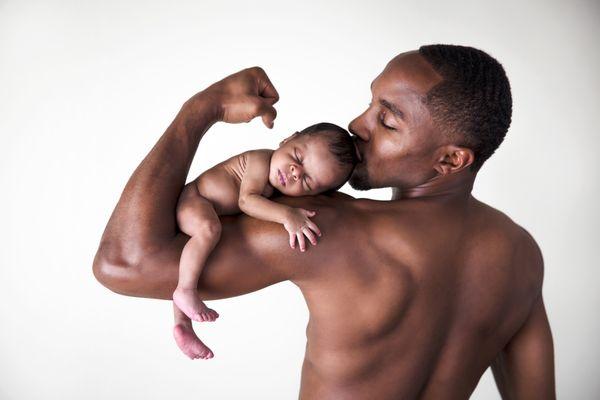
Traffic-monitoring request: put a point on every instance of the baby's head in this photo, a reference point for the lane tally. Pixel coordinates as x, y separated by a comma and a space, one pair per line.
317, 159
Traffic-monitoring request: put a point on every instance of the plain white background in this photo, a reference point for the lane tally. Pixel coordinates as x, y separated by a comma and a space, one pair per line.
86, 88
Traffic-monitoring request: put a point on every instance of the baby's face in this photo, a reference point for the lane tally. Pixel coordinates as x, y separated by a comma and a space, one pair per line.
303, 165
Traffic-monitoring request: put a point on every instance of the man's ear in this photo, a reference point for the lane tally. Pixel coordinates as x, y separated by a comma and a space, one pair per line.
284, 141
451, 159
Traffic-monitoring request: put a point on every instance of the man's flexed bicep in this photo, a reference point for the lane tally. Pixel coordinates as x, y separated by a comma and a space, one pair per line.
236, 266
251, 254
525, 368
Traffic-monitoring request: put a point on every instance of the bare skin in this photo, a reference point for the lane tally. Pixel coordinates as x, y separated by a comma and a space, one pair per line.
409, 298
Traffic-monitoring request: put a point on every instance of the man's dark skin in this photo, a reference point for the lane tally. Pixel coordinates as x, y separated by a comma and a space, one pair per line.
409, 298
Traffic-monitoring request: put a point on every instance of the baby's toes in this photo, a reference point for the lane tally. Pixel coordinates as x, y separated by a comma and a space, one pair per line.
197, 317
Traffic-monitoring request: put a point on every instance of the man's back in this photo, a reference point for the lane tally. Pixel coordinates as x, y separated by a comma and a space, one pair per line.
419, 300
407, 299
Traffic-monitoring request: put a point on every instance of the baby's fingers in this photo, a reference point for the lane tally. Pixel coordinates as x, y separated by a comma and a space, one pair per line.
308, 213
310, 235
292, 240
301, 241
313, 227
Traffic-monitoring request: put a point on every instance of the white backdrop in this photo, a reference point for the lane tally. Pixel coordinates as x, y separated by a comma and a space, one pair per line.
86, 88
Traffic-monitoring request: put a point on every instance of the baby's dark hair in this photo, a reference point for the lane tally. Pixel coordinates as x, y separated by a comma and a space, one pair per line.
340, 143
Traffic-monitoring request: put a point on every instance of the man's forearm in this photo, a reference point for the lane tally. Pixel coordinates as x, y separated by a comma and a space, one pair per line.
140, 249
144, 216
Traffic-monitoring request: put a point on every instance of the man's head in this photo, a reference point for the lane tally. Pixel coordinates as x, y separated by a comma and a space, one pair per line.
436, 111
316, 159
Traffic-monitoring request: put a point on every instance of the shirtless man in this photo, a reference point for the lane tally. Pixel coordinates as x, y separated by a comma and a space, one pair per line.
424, 292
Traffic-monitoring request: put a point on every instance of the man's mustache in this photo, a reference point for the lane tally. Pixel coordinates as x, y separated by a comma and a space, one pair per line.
356, 139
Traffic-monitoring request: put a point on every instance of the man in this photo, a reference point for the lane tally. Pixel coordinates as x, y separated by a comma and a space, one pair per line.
410, 298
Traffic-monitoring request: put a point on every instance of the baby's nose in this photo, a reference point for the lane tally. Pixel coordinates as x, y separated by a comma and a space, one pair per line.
295, 171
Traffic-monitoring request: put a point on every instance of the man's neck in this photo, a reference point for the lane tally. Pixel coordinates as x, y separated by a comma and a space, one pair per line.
455, 186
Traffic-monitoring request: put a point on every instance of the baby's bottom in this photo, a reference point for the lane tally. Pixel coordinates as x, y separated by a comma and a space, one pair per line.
196, 217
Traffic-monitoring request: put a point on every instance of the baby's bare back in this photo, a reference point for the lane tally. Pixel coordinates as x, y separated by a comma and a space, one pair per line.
221, 184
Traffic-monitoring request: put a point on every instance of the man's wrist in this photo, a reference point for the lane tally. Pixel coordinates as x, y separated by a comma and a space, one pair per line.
202, 107
195, 117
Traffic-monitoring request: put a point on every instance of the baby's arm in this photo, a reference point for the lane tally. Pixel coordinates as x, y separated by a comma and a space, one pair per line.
251, 201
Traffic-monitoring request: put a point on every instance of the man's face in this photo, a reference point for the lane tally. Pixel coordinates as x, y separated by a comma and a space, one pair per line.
396, 137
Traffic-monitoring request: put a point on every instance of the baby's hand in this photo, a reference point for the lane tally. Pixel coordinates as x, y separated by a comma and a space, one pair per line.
298, 225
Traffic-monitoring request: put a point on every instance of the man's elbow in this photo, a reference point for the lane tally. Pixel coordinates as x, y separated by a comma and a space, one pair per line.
113, 271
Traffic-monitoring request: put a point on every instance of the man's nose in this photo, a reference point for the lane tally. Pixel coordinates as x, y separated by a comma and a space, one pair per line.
358, 127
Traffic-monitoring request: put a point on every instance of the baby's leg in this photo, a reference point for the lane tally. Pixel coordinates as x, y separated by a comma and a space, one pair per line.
196, 217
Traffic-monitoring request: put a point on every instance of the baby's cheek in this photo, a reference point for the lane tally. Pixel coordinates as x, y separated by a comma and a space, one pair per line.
290, 192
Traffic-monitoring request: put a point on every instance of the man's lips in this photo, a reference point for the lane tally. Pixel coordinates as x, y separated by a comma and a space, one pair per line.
358, 153
281, 178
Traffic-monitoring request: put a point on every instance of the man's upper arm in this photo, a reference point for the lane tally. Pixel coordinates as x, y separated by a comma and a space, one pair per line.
251, 254
525, 368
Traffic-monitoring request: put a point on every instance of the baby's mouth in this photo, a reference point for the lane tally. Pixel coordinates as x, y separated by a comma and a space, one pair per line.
281, 177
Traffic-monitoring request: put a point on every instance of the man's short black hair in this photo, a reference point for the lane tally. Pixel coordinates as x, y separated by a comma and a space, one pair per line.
341, 145
473, 101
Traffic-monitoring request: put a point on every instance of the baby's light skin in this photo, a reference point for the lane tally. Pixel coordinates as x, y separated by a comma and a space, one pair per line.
301, 166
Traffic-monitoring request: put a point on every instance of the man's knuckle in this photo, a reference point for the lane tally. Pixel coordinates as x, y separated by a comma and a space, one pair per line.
255, 107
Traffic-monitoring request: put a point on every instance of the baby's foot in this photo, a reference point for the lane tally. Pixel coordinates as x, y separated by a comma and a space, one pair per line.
189, 343
188, 301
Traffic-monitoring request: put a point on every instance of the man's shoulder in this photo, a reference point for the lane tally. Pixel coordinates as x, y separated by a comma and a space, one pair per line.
510, 237
500, 223
336, 204
337, 212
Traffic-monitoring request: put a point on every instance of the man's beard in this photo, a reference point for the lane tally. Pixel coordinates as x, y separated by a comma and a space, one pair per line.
359, 179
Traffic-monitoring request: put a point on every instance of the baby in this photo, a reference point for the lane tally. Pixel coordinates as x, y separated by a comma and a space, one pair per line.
314, 160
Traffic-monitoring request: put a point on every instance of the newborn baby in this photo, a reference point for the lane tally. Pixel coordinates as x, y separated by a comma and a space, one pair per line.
314, 160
